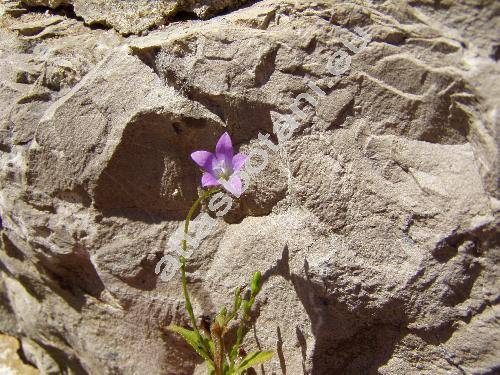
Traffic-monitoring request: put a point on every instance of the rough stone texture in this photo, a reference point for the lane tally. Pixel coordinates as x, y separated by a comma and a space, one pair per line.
376, 226
135, 16
10, 362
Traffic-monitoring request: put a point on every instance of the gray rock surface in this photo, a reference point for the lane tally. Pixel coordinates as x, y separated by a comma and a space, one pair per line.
136, 16
375, 226
10, 362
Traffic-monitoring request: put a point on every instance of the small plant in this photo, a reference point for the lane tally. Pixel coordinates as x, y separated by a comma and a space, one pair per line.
209, 338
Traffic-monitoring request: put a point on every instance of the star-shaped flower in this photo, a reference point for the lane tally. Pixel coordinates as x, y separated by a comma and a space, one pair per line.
221, 167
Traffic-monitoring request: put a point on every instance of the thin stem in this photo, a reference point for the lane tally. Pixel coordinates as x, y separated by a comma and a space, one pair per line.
219, 349
236, 347
240, 334
183, 261
189, 307
239, 339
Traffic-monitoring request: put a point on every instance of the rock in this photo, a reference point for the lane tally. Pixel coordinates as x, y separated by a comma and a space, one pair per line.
375, 225
10, 363
33, 28
38, 356
136, 16
12, 8
40, 64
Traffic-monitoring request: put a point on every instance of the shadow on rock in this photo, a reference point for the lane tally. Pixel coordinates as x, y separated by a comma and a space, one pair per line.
344, 343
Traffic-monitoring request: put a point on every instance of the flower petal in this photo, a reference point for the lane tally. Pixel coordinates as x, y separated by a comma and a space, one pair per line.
209, 179
204, 159
235, 182
224, 149
233, 185
238, 161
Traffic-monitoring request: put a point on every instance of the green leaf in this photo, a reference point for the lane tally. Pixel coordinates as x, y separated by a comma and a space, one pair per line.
247, 306
252, 359
221, 318
237, 303
233, 353
211, 346
192, 339
210, 368
236, 306
255, 286
237, 299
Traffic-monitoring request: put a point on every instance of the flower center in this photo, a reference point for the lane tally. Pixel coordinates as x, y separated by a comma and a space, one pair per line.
222, 171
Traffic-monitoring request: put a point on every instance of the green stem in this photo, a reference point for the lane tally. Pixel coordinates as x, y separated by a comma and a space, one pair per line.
236, 347
240, 334
183, 260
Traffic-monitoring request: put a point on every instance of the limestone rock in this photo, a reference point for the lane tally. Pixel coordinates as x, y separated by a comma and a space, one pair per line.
135, 16
375, 225
10, 363
33, 28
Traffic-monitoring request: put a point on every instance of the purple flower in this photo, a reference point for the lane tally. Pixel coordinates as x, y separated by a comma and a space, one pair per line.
221, 167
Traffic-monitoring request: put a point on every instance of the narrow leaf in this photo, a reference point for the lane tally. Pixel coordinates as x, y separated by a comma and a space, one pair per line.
192, 339
252, 359
211, 346
255, 286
